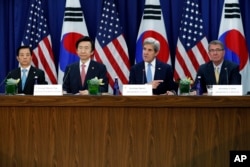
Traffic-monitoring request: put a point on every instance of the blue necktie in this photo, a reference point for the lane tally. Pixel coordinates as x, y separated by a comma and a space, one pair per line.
24, 77
149, 73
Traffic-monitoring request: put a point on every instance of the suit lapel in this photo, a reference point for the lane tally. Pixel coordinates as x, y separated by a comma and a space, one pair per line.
142, 72
31, 75
90, 74
211, 74
158, 69
77, 74
223, 73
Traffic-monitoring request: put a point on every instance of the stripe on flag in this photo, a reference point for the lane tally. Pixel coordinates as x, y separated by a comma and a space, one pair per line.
192, 44
111, 47
37, 37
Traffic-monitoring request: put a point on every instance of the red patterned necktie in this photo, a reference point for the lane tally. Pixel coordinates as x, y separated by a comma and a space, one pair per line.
83, 74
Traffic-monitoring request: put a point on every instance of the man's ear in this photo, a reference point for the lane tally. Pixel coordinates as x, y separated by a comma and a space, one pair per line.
156, 54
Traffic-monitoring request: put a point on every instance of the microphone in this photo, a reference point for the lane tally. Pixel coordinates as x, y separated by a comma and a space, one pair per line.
226, 75
35, 78
5, 78
143, 76
65, 76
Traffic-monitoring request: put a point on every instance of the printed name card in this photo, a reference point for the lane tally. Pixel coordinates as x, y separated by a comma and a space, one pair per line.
137, 90
227, 90
48, 90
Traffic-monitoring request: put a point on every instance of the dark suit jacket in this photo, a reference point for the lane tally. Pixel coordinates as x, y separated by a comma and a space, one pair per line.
30, 81
72, 80
229, 74
163, 72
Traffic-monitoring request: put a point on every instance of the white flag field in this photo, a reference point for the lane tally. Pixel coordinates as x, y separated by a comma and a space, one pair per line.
231, 33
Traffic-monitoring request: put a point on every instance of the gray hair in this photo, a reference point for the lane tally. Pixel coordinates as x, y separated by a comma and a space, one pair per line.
216, 42
154, 42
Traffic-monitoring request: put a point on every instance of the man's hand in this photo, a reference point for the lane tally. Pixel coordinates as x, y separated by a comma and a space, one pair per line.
83, 92
155, 83
170, 93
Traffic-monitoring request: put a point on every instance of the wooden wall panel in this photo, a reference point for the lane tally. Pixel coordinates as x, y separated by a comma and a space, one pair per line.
103, 136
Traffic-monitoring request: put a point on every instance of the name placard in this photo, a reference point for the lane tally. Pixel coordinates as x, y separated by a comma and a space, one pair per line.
137, 90
48, 90
227, 90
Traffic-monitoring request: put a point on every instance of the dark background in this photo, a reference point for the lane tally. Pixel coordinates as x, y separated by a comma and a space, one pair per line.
13, 15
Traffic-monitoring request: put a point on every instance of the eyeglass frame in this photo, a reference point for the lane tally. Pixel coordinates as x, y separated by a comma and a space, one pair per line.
215, 50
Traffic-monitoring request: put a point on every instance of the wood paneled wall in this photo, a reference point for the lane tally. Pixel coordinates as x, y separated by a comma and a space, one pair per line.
107, 131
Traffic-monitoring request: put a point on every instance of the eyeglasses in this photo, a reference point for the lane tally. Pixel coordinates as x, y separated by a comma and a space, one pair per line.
215, 50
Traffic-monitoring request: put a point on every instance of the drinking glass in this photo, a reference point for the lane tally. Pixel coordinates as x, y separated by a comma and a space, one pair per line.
209, 90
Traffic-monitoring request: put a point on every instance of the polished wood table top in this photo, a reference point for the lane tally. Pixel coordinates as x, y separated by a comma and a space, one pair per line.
126, 101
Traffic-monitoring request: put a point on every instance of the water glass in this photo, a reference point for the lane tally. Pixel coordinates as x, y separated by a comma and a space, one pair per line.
209, 90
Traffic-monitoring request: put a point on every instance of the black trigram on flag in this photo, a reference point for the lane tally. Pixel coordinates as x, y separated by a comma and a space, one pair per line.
232, 10
73, 14
152, 12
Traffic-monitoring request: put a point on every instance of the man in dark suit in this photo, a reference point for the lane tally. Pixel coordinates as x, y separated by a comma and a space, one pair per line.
77, 74
32, 75
161, 74
218, 70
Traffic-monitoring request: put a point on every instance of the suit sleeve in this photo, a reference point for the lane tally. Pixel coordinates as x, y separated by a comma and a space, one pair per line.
203, 83
41, 78
132, 76
235, 77
172, 85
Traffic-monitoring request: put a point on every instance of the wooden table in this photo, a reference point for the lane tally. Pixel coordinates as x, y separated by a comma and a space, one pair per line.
122, 131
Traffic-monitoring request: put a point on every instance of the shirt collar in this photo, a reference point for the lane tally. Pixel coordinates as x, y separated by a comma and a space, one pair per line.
152, 63
27, 68
219, 66
86, 63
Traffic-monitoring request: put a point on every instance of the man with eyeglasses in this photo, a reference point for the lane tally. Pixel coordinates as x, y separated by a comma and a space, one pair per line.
217, 70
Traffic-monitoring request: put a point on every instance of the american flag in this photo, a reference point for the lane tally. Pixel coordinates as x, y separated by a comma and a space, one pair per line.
38, 38
111, 48
231, 33
192, 43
